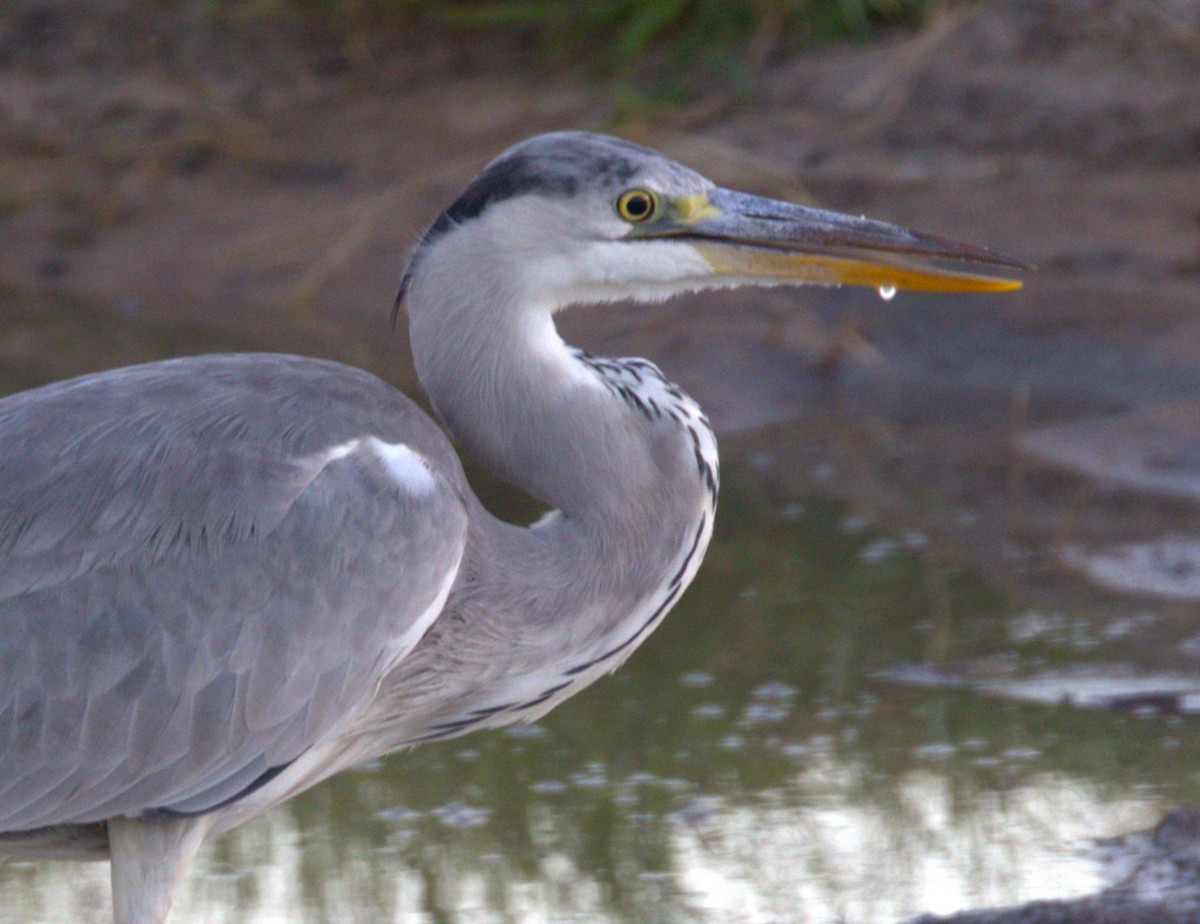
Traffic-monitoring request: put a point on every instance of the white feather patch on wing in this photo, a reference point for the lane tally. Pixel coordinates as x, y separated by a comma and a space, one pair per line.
409, 468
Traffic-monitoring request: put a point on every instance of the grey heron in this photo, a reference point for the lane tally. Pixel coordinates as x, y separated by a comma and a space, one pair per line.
225, 578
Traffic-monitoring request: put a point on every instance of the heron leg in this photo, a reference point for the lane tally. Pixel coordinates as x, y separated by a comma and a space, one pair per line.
149, 857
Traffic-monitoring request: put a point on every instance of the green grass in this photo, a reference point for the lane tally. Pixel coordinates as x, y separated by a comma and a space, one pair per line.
673, 44
633, 27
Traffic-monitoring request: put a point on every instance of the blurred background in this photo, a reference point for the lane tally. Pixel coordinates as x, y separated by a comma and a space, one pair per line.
945, 650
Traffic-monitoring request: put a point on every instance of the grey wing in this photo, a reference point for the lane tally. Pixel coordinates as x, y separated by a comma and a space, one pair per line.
205, 568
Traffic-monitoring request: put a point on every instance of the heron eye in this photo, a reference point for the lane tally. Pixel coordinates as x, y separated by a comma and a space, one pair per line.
637, 205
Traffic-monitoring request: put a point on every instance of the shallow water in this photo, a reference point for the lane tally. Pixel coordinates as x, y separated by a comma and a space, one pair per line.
751, 763
743, 766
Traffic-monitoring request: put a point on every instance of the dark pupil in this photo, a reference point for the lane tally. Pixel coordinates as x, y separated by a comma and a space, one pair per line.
637, 206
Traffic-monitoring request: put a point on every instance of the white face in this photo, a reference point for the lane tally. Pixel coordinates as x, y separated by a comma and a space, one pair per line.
578, 250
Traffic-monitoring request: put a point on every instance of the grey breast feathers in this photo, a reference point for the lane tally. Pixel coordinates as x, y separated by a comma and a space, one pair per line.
204, 566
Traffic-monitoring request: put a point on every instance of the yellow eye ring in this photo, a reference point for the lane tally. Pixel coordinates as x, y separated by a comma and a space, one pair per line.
637, 205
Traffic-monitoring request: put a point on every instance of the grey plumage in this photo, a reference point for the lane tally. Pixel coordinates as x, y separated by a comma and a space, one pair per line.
204, 548
224, 578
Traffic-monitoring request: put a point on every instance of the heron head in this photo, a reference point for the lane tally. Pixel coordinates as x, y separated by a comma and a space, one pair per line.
572, 217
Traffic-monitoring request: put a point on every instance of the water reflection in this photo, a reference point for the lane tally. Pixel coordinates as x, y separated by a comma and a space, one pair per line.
744, 766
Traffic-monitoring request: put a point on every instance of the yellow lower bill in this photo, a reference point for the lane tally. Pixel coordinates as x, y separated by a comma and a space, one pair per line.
820, 269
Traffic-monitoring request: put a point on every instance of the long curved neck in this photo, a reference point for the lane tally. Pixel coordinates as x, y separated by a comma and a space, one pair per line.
537, 613
520, 402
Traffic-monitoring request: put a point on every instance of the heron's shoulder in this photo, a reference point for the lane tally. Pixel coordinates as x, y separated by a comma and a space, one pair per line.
212, 376
174, 459
296, 405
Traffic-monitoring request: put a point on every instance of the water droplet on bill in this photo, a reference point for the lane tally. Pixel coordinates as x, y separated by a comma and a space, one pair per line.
887, 292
